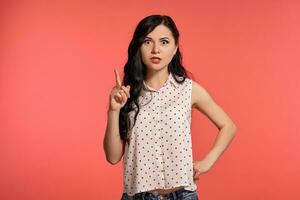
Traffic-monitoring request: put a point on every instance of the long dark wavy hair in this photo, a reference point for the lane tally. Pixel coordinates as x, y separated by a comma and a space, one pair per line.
135, 70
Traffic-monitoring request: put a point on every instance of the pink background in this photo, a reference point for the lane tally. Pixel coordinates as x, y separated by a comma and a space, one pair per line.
56, 72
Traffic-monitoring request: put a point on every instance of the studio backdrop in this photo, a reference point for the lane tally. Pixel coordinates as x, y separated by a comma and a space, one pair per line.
56, 74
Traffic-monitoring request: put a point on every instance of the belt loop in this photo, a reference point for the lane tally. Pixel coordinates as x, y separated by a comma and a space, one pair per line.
174, 195
143, 195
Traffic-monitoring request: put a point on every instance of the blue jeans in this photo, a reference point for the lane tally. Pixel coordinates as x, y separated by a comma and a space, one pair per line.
181, 194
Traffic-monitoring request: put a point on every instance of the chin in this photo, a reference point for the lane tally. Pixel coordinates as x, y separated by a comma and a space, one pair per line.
156, 67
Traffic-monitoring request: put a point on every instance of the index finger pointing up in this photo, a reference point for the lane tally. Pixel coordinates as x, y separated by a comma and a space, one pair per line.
117, 77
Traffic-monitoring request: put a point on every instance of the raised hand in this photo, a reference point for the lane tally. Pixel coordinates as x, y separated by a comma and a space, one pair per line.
119, 94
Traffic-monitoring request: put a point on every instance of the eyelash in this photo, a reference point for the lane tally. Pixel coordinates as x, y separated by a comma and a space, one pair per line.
162, 41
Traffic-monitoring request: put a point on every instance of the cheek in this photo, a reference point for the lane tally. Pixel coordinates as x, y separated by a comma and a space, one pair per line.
143, 54
169, 56
144, 51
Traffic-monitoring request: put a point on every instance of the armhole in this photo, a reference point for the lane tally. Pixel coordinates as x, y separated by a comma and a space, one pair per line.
190, 99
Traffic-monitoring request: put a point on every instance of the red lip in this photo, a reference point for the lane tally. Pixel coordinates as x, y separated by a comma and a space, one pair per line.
155, 58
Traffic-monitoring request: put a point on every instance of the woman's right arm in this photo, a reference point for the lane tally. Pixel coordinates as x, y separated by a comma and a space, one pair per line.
113, 144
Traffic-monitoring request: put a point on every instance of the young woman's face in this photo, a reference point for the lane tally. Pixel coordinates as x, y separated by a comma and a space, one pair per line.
158, 43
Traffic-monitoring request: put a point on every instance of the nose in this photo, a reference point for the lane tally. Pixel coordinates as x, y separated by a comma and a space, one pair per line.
155, 49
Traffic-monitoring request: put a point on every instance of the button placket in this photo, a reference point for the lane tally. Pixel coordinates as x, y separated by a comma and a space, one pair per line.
158, 136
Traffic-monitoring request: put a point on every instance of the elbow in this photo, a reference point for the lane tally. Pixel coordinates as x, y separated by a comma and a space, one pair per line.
234, 127
113, 162
108, 157
231, 127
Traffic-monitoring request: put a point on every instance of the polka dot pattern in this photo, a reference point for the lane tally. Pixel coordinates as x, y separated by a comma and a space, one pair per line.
160, 151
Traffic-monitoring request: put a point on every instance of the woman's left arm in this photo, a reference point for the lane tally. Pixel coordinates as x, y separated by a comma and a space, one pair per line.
202, 101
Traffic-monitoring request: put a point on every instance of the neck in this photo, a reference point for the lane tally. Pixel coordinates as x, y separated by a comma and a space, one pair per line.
157, 79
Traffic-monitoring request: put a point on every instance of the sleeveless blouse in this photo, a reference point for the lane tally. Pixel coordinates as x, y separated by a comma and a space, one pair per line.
159, 155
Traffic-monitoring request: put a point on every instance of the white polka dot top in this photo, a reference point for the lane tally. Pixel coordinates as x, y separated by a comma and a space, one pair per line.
159, 155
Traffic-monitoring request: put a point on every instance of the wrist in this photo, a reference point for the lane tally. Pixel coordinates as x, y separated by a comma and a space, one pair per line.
113, 111
209, 161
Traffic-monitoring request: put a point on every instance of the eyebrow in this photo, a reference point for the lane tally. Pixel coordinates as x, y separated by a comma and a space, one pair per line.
160, 38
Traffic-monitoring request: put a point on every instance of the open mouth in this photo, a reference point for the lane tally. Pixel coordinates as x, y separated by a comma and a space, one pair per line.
155, 60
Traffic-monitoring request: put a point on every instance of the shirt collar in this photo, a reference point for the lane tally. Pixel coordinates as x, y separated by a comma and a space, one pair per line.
169, 80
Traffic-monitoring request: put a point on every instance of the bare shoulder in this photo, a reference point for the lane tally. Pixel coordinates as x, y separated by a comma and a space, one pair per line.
200, 96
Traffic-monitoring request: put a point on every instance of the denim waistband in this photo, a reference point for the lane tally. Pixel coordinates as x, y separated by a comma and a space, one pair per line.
178, 194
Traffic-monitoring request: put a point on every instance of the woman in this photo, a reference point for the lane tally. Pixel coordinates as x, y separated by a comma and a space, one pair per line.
149, 118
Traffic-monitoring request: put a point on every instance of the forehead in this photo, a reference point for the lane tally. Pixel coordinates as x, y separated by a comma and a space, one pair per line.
160, 31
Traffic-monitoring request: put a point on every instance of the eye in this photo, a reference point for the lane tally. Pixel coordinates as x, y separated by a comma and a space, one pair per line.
146, 41
165, 41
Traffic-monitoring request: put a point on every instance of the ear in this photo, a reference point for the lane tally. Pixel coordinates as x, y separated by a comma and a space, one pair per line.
175, 50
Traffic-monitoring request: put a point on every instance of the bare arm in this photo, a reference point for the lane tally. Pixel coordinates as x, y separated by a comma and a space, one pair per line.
202, 101
113, 145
